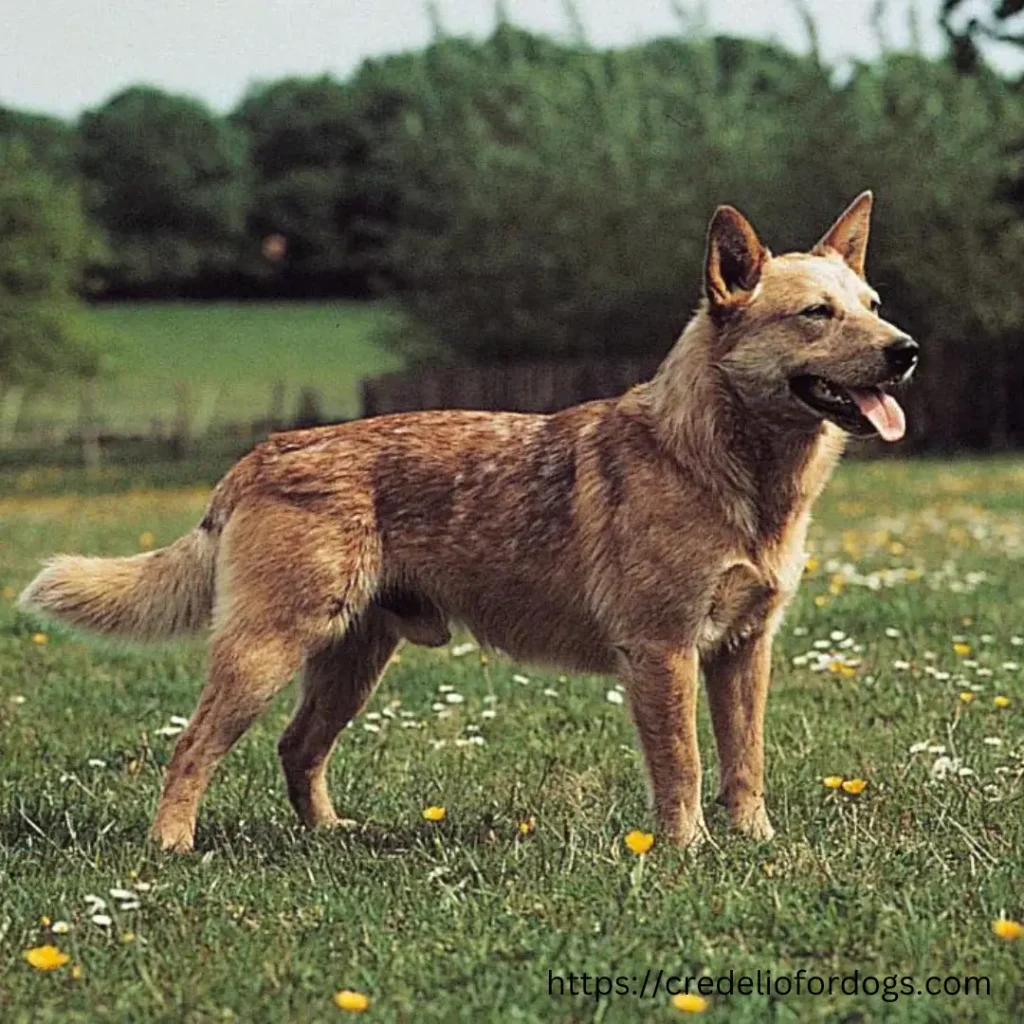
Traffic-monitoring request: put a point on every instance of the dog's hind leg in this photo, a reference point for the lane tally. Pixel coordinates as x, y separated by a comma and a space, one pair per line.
281, 591
247, 669
338, 680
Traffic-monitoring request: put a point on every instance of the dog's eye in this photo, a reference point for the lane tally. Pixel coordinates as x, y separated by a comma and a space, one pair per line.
874, 306
821, 311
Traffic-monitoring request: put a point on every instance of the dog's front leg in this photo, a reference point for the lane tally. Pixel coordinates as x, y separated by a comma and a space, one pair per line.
737, 683
661, 682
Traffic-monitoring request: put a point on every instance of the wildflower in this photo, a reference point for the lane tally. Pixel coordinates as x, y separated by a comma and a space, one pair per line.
46, 958
353, 1002
892, 632
688, 1003
528, 827
521, 679
1001, 701
434, 813
811, 565
549, 692
454, 698
461, 650
76, 972
639, 842
854, 786
1009, 930
832, 781
966, 696
60, 928
961, 649
820, 600
101, 920
40, 638
614, 697
44, 921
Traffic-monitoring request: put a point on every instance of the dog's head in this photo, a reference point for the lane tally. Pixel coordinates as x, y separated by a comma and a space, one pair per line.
799, 336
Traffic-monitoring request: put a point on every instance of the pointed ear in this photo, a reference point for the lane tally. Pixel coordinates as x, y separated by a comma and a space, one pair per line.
849, 235
735, 258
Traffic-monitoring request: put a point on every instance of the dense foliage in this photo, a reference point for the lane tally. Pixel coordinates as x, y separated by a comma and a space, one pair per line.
529, 198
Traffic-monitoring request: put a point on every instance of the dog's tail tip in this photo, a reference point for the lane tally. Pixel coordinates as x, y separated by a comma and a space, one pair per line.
152, 596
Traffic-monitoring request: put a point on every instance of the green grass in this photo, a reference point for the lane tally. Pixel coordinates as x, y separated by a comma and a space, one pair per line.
232, 354
463, 920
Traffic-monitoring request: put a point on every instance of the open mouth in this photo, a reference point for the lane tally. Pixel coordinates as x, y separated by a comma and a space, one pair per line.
861, 411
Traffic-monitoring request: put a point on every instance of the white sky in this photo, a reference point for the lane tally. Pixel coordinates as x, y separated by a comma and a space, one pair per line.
61, 56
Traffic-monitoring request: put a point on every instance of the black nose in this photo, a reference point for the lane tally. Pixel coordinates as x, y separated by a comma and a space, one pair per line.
901, 354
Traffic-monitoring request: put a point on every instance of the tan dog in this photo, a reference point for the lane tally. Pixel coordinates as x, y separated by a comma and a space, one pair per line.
653, 536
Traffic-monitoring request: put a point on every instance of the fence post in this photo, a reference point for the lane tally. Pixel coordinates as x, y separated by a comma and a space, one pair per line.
88, 425
10, 409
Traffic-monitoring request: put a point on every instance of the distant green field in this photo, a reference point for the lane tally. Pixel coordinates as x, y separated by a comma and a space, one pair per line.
229, 355
899, 664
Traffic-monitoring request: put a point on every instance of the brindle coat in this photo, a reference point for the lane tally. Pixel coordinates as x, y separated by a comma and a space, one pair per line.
653, 536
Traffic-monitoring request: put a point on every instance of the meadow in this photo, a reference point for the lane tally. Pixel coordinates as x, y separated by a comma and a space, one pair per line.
230, 356
899, 665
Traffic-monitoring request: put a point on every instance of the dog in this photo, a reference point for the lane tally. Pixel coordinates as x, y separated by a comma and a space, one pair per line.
655, 536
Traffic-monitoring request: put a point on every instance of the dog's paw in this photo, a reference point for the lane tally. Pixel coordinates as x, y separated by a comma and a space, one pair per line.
753, 822
692, 834
174, 836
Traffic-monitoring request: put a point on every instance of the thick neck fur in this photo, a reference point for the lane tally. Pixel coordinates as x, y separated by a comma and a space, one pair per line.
758, 473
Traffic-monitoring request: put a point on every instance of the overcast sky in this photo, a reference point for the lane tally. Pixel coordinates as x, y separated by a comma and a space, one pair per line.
61, 56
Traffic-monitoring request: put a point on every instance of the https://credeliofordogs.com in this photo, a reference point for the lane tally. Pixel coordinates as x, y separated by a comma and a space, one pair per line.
765, 983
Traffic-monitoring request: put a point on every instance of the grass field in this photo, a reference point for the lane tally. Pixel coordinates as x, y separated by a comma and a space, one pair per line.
908, 628
228, 354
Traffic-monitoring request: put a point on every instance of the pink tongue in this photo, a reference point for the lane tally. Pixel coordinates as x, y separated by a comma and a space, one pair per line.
883, 412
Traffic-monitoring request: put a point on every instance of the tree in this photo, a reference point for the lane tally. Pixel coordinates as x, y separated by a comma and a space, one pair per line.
554, 203
44, 239
301, 142
1001, 21
50, 142
165, 179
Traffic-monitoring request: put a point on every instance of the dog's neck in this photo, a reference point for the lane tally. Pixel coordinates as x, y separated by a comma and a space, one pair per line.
758, 475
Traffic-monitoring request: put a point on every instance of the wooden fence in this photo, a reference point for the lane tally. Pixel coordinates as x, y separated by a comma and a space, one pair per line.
515, 387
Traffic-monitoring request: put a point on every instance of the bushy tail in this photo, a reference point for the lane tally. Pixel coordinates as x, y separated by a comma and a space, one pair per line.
153, 596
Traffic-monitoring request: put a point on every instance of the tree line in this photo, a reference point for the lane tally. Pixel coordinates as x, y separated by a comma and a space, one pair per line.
528, 198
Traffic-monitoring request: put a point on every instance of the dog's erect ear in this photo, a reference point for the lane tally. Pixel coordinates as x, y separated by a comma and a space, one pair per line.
849, 235
734, 259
